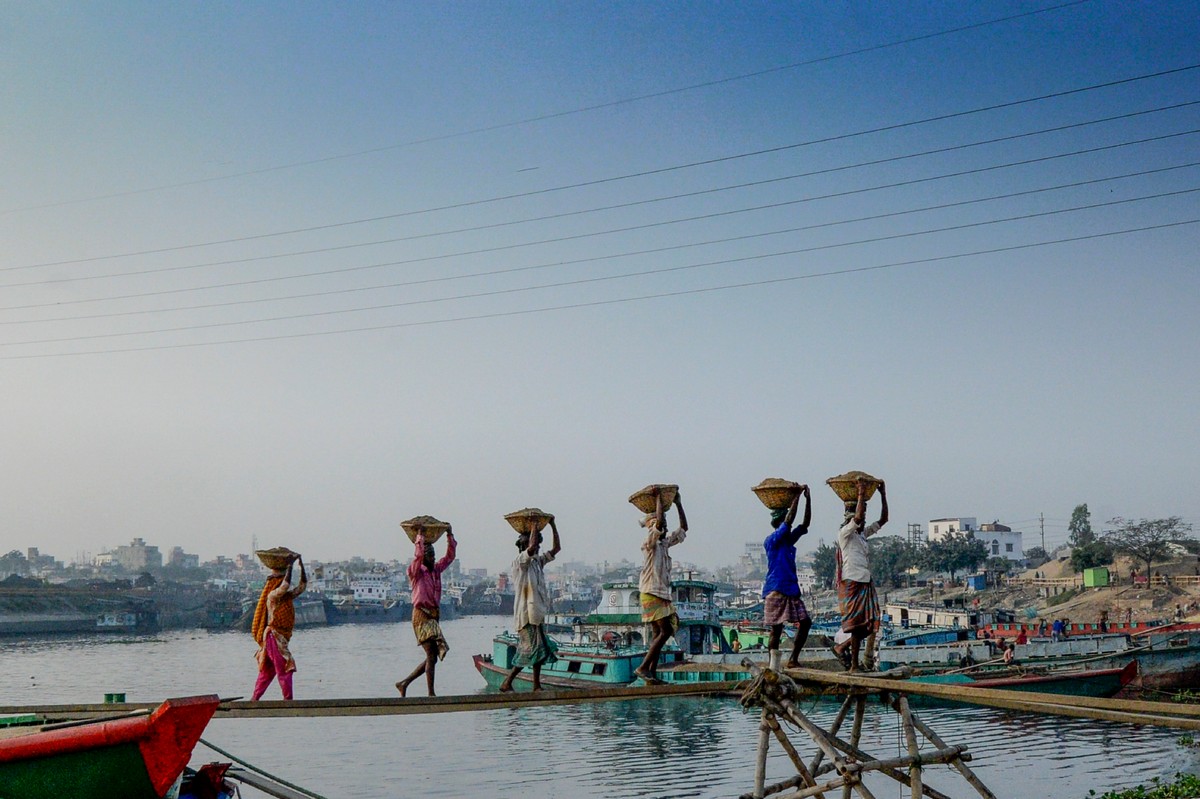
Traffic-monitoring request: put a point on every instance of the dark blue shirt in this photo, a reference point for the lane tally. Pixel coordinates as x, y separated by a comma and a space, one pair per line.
781, 560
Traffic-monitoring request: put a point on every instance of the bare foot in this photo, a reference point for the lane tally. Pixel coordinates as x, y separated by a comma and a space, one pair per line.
505, 687
402, 687
648, 678
791, 664
537, 687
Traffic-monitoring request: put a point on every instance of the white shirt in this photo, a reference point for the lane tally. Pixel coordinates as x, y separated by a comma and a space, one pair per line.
532, 600
855, 553
656, 571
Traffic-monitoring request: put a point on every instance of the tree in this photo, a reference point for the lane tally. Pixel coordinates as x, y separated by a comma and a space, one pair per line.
824, 563
890, 557
1036, 556
1081, 527
1147, 540
1086, 556
954, 553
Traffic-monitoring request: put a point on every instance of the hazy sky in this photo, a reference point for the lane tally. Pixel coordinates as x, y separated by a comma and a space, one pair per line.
302, 270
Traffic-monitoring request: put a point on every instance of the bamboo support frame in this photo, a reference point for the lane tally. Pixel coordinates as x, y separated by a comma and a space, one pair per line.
772, 693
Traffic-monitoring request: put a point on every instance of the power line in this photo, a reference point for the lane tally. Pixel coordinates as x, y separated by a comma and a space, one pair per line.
610, 231
597, 303
559, 114
492, 273
612, 179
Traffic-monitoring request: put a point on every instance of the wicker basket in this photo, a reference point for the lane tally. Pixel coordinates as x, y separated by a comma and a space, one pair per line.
434, 528
846, 485
276, 559
777, 493
644, 500
527, 521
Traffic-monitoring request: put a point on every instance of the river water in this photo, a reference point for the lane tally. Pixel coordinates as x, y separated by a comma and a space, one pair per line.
647, 749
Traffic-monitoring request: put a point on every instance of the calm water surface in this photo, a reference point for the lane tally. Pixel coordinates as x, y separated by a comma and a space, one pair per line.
651, 748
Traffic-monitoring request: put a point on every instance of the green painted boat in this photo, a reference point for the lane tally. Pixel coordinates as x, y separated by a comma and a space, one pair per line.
1098, 682
133, 757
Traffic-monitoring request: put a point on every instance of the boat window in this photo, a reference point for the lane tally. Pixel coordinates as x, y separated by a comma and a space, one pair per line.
573, 666
599, 668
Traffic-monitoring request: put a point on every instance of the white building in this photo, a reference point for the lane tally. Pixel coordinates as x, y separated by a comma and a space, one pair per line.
1002, 541
940, 528
377, 588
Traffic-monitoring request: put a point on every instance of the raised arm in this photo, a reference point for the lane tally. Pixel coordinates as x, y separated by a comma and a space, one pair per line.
683, 525
451, 550
883, 509
790, 519
300, 588
555, 544
860, 510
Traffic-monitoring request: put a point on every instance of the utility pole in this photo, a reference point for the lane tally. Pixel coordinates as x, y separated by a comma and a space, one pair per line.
1042, 524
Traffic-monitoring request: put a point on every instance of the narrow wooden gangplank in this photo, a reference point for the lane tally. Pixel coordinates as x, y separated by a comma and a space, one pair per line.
395, 706
1125, 711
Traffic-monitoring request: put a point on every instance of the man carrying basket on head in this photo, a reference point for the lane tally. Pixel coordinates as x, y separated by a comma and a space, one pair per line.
425, 577
530, 606
655, 584
782, 603
274, 620
856, 593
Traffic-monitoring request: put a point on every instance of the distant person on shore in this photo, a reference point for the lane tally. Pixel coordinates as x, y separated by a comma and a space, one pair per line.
856, 593
1104, 621
425, 577
655, 585
1056, 630
1009, 655
1022, 637
274, 620
782, 602
530, 605
1041, 630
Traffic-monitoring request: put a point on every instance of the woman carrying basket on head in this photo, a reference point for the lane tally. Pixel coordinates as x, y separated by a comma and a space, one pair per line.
425, 576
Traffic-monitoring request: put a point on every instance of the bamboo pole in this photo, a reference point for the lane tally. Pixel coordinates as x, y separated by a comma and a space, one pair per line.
958, 763
833, 731
797, 761
910, 738
760, 762
860, 706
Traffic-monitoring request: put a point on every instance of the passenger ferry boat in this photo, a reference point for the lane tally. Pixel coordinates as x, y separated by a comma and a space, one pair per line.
605, 646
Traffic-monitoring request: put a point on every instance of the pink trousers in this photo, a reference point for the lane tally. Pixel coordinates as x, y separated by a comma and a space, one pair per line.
272, 666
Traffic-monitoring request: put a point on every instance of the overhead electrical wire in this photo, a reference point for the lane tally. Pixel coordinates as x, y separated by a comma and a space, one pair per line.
582, 281
630, 228
590, 259
570, 112
612, 179
613, 301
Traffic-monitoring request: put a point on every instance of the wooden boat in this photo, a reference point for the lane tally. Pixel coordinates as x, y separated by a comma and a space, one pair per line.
1097, 682
1167, 660
609, 643
131, 757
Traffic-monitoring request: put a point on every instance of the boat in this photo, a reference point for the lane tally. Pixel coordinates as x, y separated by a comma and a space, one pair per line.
139, 756
605, 646
1166, 660
1094, 682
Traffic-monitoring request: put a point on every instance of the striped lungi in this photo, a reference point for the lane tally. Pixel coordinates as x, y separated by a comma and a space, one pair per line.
655, 608
859, 605
781, 609
426, 626
534, 647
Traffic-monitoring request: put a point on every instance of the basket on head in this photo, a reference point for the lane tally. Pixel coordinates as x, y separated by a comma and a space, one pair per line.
434, 528
528, 520
777, 493
644, 500
846, 485
276, 559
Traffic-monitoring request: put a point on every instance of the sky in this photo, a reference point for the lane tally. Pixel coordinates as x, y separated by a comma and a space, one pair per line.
290, 273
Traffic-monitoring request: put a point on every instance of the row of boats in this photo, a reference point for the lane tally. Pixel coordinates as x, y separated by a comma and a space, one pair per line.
605, 646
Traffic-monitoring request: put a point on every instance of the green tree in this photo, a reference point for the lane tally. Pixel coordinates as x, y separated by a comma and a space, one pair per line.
1086, 556
890, 557
1147, 540
1036, 556
824, 563
954, 553
1081, 527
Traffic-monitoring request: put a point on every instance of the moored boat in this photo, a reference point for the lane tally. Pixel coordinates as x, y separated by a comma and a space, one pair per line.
133, 757
1095, 682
